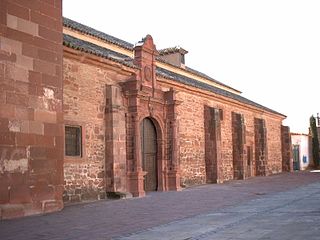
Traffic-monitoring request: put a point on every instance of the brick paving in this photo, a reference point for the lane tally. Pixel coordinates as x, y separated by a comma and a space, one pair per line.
107, 219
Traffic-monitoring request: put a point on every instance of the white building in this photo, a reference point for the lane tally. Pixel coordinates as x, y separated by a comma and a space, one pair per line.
302, 151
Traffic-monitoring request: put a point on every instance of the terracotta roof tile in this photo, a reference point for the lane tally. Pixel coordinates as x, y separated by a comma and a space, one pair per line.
194, 83
91, 48
106, 37
93, 32
88, 47
166, 51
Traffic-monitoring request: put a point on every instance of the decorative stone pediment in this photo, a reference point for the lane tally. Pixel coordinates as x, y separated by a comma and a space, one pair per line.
145, 53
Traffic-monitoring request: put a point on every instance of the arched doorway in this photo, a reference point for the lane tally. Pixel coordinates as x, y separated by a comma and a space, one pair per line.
149, 154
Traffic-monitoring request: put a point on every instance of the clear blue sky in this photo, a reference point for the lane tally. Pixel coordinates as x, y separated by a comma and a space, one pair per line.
268, 49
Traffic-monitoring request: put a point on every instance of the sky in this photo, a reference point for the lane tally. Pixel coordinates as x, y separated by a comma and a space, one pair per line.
268, 49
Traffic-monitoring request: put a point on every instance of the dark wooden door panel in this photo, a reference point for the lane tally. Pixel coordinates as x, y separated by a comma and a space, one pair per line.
151, 168
149, 154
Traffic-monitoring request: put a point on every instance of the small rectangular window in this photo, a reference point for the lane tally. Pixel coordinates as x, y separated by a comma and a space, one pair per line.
73, 141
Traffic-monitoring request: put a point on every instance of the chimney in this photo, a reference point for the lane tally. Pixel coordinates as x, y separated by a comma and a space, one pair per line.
174, 56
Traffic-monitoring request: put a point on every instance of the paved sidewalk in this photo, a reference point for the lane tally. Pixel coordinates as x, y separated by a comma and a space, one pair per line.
287, 215
107, 219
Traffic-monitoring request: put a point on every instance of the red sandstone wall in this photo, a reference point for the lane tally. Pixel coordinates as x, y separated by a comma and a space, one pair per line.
84, 105
31, 119
192, 139
286, 146
274, 146
249, 123
226, 139
85, 102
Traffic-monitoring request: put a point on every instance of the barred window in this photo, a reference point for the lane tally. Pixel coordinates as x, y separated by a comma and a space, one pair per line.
73, 141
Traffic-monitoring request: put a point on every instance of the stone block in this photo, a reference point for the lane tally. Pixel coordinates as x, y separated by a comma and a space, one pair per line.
48, 8
45, 20
7, 138
44, 67
4, 125
23, 113
28, 49
11, 46
17, 10
35, 78
4, 193
41, 191
24, 62
20, 194
19, 36
48, 45
33, 90
53, 36
36, 127
7, 111
37, 152
49, 206
51, 129
8, 57
15, 72
22, 25
9, 211
25, 139
17, 99
43, 165
45, 116
45, 141
58, 4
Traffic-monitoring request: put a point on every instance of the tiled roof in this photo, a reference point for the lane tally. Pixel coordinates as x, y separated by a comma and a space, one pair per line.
209, 78
106, 37
194, 83
88, 47
166, 51
197, 73
93, 32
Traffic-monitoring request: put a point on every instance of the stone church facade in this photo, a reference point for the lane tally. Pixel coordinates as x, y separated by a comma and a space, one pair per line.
150, 123
85, 116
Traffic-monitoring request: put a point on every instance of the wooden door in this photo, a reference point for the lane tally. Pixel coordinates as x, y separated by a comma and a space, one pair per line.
296, 157
149, 154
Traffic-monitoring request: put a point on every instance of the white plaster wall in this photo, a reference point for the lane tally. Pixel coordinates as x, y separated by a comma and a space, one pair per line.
303, 142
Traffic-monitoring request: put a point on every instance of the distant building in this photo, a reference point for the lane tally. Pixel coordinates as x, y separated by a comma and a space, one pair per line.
302, 151
318, 126
84, 115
